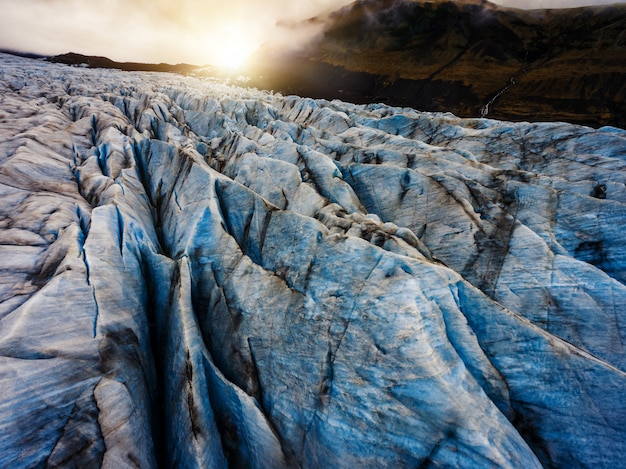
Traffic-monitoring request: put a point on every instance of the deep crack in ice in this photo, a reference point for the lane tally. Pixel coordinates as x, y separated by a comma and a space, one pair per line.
285, 282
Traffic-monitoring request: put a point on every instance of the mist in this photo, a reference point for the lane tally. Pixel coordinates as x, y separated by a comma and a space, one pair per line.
192, 31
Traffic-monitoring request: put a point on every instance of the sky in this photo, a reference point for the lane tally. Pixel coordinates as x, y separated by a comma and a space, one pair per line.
219, 32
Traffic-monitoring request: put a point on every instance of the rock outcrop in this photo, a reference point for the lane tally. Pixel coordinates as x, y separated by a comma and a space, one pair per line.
470, 57
198, 275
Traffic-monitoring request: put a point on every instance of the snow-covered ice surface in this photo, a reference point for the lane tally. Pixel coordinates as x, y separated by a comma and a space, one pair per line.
198, 275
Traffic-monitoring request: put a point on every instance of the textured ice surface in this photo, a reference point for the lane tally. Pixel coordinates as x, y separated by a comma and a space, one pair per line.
198, 275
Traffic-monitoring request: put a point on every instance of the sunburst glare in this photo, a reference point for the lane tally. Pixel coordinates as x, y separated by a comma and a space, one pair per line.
232, 48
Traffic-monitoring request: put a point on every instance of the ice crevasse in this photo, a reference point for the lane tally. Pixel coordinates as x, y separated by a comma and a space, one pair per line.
200, 275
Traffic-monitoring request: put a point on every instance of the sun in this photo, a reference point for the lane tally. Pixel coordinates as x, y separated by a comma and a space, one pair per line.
232, 57
231, 49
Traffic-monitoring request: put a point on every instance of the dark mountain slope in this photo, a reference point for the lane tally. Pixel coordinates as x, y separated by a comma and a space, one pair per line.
468, 58
72, 58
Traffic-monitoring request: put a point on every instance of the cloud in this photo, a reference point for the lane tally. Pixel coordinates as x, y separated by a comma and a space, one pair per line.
196, 31
193, 31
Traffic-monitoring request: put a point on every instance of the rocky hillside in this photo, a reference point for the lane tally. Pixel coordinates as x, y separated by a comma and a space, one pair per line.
471, 58
198, 275
91, 61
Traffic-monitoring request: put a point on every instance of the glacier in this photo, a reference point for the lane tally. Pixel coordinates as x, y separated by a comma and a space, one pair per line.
200, 275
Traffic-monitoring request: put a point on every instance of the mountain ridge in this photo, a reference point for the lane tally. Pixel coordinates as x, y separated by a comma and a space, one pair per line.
470, 58
507, 63
94, 61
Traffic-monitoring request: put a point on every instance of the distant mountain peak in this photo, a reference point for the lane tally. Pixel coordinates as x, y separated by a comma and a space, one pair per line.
72, 58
